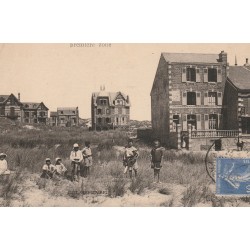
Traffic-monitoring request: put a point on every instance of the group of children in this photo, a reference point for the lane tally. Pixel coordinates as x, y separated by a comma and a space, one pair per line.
130, 159
81, 162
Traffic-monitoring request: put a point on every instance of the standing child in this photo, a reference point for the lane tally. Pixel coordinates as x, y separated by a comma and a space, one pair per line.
76, 159
130, 159
156, 159
61, 170
87, 158
48, 169
3, 164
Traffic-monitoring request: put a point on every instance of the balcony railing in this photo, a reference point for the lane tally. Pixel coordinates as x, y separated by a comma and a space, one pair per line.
214, 133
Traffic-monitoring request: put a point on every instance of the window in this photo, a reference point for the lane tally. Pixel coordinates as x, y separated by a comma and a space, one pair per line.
212, 75
61, 112
99, 111
2, 111
213, 121
212, 98
99, 120
191, 75
176, 120
123, 120
117, 120
73, 112
103, 102
191, 98
119, 110
42, 114
191, 119
107, 120
12, 111
107, 111
26, 114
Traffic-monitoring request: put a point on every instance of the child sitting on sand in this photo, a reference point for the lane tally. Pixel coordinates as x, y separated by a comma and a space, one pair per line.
3, 165
48, 169
60, 169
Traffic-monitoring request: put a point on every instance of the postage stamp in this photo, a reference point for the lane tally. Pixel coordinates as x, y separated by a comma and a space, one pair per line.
233, 176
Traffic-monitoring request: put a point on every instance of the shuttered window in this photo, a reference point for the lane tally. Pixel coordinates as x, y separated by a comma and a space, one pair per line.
219, 75
206, 125
198, 76
205, 75
184, 75
219, 98
198, 98
198, 118
184, 98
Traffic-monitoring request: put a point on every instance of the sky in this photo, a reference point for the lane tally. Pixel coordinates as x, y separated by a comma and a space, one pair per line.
61, 75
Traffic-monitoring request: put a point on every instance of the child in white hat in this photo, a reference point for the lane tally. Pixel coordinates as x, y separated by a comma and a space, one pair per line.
76, 160
3, 164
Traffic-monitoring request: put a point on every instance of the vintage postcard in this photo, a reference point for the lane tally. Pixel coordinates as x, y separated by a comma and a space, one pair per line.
111, 125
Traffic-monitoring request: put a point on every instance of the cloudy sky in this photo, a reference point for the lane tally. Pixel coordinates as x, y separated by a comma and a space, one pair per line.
60, 75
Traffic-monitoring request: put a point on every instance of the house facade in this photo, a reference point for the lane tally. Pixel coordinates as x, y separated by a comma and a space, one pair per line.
35, 113
66, 117
188, 89
109, 110
11, 107
236, 101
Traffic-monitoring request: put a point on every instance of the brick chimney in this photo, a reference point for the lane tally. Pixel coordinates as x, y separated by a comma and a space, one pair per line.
19, 97
223, 57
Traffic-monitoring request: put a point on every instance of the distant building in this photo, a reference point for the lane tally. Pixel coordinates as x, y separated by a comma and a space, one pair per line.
109, 110
66, 117
53, 118
35, 112
27, 112
11, 107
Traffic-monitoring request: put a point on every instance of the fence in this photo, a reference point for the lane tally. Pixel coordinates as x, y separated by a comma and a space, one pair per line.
214, 133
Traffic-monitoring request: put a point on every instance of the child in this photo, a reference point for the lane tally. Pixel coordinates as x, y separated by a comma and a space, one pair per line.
3, 165
156, 159
76, 159
130, 159
61, 170
48, 169
87, 158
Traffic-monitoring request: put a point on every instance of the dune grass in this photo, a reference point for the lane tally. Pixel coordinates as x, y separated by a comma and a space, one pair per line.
27, 150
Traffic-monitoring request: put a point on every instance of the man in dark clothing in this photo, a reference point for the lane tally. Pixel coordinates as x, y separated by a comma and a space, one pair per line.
156, 159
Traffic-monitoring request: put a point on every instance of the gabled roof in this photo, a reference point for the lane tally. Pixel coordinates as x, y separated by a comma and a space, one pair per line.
110, 95
3, 98
67, 110
33, 105
240, 77
191, 57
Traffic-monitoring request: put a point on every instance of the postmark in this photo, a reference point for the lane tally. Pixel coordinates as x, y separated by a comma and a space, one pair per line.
233, 176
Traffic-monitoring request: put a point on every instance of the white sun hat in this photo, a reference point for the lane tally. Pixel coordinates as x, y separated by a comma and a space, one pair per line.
3, 154
47, 159
76, 145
